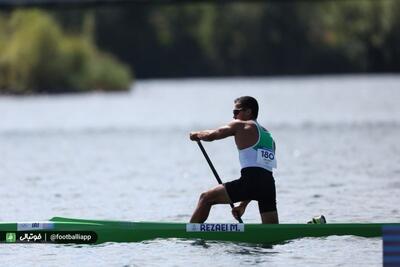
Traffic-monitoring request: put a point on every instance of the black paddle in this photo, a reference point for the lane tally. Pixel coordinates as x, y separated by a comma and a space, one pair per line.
214, 171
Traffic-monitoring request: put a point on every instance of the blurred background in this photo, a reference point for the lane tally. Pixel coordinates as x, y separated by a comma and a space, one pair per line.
105, 45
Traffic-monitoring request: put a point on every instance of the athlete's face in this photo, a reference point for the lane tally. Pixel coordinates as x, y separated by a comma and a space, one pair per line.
240, 113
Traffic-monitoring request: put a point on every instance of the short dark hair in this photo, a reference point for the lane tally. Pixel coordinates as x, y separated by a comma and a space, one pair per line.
248, 102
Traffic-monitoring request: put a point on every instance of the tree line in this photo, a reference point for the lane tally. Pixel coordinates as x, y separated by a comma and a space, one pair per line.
233, 38
254, 38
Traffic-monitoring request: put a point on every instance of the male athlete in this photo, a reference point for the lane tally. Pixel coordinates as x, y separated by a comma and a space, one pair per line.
257, 159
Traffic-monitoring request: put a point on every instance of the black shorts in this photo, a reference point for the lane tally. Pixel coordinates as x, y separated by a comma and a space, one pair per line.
254, 184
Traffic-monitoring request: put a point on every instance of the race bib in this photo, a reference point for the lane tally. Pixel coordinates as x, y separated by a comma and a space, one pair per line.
266, 157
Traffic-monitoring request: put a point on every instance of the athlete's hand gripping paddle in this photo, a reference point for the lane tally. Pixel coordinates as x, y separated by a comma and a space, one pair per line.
214, 171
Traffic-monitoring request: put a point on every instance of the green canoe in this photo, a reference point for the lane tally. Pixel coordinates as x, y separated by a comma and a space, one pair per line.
66, 230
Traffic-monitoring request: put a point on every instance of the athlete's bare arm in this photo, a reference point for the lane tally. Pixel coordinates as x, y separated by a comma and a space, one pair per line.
245, 133
222, 132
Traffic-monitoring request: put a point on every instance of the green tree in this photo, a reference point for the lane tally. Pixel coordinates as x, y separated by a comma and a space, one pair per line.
39, 57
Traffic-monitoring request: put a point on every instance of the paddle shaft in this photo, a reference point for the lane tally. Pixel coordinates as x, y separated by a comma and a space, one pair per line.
214, 171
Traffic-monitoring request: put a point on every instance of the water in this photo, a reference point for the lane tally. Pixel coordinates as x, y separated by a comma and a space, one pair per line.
127, 156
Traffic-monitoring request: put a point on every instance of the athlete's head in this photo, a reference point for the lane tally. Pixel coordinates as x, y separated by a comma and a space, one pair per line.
248, 103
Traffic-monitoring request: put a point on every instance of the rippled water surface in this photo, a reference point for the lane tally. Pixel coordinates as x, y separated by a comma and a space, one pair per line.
127, 156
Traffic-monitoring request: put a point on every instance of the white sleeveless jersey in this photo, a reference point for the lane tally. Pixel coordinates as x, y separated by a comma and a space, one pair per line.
261, 154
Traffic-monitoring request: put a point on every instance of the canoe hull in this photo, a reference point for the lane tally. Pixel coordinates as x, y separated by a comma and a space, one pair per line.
116, 231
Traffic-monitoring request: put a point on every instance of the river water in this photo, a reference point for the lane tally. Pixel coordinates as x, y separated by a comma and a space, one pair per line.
127, 156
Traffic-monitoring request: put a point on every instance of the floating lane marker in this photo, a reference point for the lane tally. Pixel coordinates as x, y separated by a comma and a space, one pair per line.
391, 246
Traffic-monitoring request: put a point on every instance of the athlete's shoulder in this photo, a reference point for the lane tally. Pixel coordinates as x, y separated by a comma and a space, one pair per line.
260, 126
240, 124
236, 122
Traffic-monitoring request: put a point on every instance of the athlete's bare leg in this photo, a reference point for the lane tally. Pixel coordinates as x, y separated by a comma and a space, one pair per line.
216, 195
270, 217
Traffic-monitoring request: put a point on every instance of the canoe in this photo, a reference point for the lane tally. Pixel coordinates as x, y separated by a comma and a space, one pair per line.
79, 231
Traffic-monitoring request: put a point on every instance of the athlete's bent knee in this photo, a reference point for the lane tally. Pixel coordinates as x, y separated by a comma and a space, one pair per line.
206, 199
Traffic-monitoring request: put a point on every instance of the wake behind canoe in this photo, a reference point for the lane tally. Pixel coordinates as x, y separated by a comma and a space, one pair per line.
67, 230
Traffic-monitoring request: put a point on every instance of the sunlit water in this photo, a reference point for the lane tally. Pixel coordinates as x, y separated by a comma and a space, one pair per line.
127, 156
